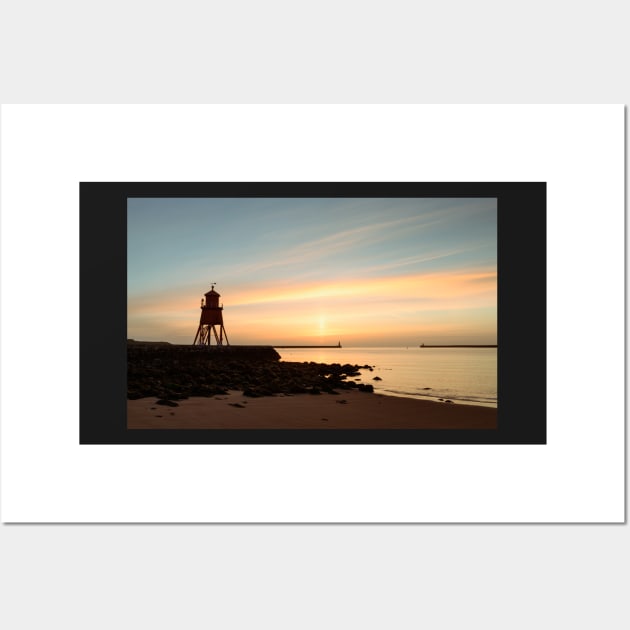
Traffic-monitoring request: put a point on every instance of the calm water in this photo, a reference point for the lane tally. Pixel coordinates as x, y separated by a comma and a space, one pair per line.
463, 375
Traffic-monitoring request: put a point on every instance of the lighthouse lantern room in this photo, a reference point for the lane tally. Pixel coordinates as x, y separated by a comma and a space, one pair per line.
211, 319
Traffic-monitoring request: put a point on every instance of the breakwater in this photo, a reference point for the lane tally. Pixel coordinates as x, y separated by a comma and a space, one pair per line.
188, 353
174, 372
425, 346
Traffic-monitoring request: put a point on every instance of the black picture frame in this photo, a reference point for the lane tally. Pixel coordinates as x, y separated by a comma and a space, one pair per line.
522, 343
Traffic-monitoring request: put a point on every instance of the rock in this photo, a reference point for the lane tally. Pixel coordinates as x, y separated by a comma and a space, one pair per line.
377, 378
168, 403
175, 372
251, 393
297, 389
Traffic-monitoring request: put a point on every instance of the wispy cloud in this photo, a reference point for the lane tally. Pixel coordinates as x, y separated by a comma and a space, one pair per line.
343, 241
419, 285
402, 292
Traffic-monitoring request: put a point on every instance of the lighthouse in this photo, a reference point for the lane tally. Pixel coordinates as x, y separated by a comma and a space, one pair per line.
211, 318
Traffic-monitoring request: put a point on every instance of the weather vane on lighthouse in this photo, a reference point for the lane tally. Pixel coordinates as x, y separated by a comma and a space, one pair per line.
211, 317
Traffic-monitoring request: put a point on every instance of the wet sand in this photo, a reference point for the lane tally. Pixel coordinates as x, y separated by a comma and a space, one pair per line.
348, 410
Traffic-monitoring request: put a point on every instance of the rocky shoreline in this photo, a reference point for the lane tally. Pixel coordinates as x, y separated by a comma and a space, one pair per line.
171, 372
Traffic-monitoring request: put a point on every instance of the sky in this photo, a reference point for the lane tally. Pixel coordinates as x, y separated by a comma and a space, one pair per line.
310, 271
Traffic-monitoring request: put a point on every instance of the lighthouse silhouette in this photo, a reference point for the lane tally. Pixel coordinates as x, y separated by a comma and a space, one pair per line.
211, 317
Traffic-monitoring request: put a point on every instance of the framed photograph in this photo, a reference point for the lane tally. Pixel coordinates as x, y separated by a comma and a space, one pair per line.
378, 230
348, 313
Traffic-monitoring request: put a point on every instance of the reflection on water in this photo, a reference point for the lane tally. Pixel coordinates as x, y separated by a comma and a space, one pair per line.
462, 375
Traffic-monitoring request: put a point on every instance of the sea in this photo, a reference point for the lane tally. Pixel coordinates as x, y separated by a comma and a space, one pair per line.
466, 376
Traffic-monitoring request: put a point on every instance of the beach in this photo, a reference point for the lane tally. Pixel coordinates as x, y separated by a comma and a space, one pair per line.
350, 409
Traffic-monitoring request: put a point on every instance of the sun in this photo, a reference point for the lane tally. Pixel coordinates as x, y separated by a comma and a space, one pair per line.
322, 325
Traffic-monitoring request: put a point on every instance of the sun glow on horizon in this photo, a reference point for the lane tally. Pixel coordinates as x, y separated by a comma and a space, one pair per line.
409, 305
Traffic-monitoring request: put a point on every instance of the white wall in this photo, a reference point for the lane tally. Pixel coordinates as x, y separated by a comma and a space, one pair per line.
304, 576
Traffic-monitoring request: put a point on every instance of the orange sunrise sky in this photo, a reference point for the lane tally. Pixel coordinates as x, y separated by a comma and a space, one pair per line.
293, 271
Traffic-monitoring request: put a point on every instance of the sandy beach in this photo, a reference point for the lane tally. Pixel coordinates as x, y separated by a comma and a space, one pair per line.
349, 410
